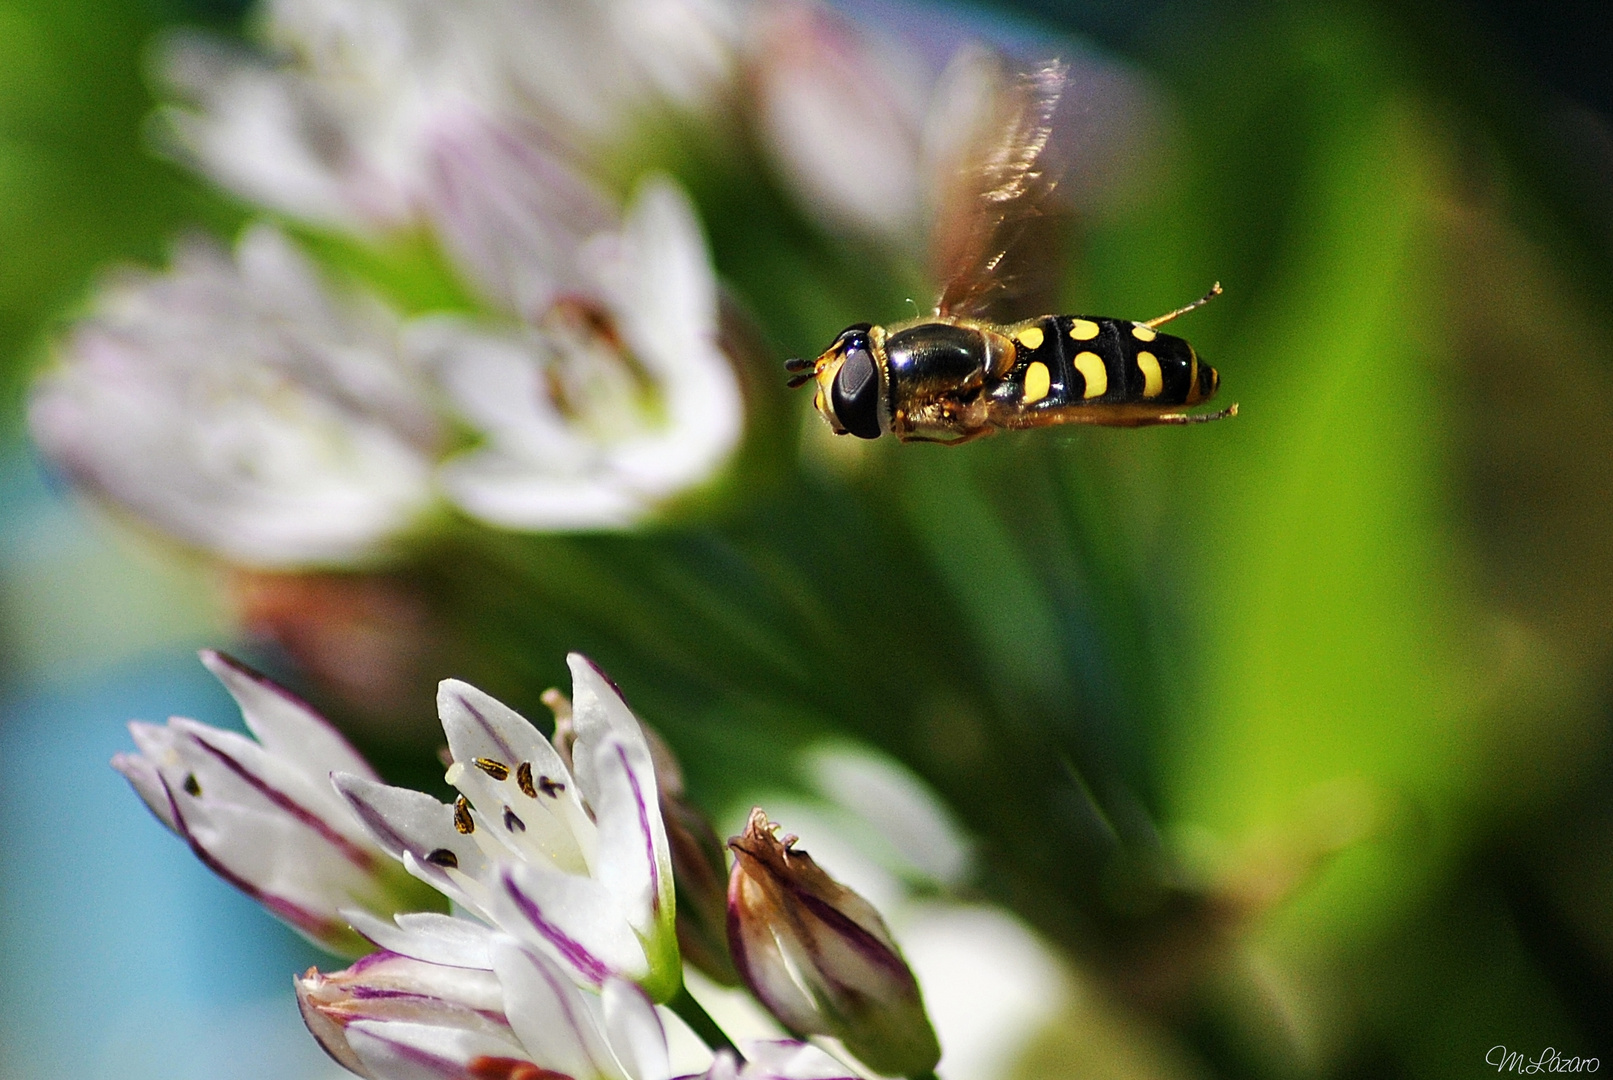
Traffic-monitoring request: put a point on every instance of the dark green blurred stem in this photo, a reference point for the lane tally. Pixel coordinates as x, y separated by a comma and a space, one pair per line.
924, 1076
691, 1012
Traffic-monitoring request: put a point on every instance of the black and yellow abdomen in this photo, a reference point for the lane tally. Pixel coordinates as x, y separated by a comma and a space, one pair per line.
1065, 362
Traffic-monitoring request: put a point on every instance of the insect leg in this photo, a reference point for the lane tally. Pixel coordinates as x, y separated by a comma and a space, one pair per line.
1196, 418
978, 433
1200, 302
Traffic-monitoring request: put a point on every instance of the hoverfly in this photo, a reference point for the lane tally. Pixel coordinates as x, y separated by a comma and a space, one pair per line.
978, 365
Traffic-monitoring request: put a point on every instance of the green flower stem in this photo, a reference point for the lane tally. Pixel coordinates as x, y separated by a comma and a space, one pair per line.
699, 1020
930, 1075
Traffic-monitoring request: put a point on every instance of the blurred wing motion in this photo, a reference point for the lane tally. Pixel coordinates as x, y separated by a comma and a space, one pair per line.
999, 214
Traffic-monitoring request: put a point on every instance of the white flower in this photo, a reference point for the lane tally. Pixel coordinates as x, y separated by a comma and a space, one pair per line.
329, 126
263, 815
389, 1017
571, 861
238, 406
334, 124
619, 398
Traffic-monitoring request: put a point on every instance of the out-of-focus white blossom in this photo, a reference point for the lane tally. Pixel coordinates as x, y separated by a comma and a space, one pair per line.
512, 212
237, 404
842, 113
618, 398
869, 131
334, 122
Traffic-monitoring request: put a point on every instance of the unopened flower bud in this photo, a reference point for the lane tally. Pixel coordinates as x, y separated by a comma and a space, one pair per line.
820, 957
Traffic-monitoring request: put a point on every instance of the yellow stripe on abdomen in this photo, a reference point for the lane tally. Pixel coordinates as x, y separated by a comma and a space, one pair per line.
1090, 365
1153, 378
1038, 381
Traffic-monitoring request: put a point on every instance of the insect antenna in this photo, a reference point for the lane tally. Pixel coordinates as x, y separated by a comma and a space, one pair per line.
806, 368
1215, 290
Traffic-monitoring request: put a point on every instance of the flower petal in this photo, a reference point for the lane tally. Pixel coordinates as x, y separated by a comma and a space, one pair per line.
560, 1026
146, 779
511, 211
263, 838
786, 1059
284, 724
635, 861
419, 830
598, 710
221, 405
635, 1031
228, 767
401, 1051
659, 280
427, 935
575, 920
515, 779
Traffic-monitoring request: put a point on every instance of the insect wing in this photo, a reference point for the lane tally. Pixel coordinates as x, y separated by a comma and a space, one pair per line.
1000, 216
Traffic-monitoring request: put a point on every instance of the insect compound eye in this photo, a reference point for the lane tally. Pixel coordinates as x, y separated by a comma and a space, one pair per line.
855, 393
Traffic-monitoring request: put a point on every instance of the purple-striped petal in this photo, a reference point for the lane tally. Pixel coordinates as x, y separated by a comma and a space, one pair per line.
786, 1059
634, 859
561, 1026
263, 837
146, 779
598, 713
575, 920
285, 724
515, 779
775, 1059
417, 829
438, 939
229, 768
398, 1051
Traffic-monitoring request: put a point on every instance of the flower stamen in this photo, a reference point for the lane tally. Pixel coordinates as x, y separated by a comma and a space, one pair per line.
496, 769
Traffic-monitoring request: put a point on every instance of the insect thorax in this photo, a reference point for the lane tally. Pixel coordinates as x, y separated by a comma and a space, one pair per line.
938, 372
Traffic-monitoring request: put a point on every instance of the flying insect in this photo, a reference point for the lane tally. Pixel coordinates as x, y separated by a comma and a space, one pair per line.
978, 365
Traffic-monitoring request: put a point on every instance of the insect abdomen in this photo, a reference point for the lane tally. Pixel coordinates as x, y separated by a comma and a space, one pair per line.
1076, 360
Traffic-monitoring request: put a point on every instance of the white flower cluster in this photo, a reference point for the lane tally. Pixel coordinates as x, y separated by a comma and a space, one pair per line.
555, 856
255, 407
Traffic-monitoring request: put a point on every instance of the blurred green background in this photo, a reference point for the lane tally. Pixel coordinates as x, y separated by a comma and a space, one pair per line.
1334, 673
